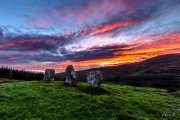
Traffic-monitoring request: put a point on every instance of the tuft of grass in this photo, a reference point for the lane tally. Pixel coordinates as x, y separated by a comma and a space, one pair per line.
53, 101
176, 94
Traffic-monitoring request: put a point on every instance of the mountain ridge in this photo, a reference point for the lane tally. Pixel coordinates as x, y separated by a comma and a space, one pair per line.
168, 64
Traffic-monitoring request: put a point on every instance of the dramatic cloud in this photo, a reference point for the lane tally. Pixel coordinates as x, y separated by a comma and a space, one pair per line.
52, 34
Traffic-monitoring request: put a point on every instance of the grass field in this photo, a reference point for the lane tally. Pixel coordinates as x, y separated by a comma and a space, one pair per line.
57, 101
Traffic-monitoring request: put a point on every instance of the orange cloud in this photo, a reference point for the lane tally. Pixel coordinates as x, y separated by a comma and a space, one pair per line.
167, 43
111, 26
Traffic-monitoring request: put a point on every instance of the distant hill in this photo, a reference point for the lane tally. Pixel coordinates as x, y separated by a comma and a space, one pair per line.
159, 71
164, 65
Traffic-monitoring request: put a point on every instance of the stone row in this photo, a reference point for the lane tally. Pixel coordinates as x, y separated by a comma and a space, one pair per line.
93, 78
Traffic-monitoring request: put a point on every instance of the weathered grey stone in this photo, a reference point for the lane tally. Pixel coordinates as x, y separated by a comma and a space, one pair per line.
70, 75
94, 78
49, 75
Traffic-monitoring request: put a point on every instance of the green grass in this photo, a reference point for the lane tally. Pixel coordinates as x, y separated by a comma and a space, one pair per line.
57, 101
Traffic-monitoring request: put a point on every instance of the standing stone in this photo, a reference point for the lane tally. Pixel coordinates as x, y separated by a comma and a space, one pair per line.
10, 74
94, 78
70, 75
49, 75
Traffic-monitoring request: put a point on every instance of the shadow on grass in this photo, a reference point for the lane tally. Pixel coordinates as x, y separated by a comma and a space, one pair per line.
176, 94
67, 85
92, 90
127, 115
5, 97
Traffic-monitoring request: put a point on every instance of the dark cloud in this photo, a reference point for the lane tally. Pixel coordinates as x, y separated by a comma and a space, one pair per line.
1, 32
93, 53
31, 42
15, 58
98, 53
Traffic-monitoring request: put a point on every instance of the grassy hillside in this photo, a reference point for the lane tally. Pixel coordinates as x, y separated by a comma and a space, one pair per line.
50, 101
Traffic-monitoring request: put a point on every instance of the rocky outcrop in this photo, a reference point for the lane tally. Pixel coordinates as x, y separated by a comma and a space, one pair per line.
94, 78
49, 75
70, 75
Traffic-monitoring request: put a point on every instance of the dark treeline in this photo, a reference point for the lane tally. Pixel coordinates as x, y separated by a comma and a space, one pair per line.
10, 73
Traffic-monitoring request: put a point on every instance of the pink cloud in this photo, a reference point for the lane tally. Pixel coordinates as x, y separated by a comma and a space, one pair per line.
81, 13
14, 58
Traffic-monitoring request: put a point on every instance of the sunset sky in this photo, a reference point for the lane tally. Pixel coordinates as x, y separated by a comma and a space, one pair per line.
40, 34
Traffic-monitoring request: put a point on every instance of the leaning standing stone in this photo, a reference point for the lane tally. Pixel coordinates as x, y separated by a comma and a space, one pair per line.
49, 75
70, 75
94, 78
